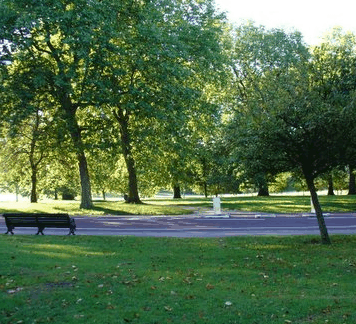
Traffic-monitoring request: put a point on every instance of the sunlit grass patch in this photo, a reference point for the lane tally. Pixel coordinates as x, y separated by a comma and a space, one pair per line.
100, 208
271, 204
160, 280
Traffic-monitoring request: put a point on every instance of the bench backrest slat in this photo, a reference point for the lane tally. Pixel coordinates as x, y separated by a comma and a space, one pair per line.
31, 218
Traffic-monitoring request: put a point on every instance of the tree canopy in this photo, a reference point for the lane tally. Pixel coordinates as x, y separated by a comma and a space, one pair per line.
155, 94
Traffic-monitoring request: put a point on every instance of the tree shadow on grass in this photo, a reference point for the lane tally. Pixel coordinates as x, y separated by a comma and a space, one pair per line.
111, 211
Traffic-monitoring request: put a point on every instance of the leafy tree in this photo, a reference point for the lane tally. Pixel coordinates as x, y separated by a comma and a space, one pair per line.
288, 125
58, 44
337, 78
257, 53
155, 71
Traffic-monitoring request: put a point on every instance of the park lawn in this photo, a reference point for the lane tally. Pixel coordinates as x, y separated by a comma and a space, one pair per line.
92, 279
271, 204
100, 208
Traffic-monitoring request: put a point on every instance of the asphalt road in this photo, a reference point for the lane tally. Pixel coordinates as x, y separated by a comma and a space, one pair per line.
204, 225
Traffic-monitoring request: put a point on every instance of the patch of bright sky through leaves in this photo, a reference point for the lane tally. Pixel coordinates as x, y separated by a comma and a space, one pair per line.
313, 18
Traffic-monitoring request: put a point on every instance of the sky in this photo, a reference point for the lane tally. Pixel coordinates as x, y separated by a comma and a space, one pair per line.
312, 18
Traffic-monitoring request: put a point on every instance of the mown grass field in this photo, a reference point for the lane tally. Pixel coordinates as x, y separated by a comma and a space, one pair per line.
60, 279
100, 208
272, 204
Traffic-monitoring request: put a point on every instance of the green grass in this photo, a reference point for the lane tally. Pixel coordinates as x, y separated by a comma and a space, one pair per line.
100, 208
272, 204
82, 279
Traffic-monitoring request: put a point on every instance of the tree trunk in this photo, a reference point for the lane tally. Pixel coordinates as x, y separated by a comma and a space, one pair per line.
205, 189
123, 120
331, 186
176, 192
69, 110
34, 186
86, 198
352, 182
262, 186
325, 239
34, 164
75, 132
263, 192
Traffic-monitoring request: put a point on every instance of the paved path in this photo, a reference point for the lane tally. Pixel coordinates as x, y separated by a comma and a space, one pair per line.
239, 223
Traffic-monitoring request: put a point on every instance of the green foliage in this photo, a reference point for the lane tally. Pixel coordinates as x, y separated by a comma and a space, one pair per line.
139, 63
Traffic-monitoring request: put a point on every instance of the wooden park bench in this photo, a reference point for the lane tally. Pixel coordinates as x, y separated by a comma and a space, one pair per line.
41, 221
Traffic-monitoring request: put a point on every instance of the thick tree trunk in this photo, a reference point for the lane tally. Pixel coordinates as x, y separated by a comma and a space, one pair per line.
263, 191
176, 192
123, 120
69, 110
262, 186
325, 239
75, 132
86, 197
352, 182
331, 186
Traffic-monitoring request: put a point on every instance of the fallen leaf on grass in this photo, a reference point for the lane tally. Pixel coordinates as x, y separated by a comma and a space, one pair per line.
189, 297
110, 306
209, 286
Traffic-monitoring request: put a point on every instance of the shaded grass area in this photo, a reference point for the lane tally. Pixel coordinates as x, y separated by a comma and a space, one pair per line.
169, 280
271, 204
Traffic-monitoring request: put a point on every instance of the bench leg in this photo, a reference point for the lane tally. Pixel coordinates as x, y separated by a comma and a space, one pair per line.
40, 230
72, 227
10, 230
